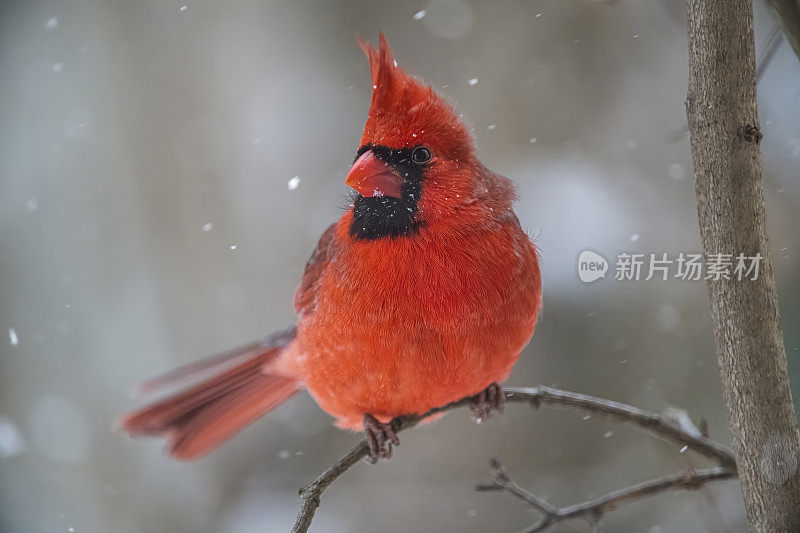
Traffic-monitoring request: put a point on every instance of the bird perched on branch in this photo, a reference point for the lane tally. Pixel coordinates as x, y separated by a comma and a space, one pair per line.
423, 293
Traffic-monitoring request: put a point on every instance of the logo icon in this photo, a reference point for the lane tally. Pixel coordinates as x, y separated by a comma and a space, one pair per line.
591, 266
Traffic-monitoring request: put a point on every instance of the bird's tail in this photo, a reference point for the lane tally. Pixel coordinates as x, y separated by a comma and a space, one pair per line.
200, 417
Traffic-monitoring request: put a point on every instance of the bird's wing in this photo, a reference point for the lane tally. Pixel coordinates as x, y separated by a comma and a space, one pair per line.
305, 298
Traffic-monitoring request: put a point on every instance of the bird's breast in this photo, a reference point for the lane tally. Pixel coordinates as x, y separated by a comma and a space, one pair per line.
408, 324
440, 282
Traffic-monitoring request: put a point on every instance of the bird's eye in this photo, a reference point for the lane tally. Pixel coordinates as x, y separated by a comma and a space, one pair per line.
421, 155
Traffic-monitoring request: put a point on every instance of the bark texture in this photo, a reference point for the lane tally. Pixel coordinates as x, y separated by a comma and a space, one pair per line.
725, 136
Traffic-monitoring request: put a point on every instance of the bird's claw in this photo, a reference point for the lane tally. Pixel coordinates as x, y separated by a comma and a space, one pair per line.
488, 402
380, 438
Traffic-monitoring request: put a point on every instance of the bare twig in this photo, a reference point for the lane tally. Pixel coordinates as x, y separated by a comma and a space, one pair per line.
593, 510
773, 40
310, 494
788, 12
661, 426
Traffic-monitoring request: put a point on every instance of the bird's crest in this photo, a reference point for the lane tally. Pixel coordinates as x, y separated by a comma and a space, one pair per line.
393, 89
406, 112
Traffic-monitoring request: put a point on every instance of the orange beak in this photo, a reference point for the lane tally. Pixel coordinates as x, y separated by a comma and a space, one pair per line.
371, 176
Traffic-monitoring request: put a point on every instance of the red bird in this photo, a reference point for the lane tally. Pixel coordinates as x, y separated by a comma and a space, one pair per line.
423, 293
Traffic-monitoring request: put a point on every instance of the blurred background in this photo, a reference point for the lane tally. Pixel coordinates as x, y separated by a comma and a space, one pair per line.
166, 168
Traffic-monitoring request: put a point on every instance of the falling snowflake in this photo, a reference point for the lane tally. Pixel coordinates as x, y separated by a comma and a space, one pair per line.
293, 183
419, 15
473, 81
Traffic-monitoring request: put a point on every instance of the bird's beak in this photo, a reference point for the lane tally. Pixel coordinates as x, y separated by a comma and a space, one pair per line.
371, 176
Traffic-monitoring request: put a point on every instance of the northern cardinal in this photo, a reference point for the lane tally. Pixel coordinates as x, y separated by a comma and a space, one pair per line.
423, 293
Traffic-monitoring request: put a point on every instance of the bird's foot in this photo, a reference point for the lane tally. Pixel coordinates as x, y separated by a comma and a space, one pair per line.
488, 402
380, 438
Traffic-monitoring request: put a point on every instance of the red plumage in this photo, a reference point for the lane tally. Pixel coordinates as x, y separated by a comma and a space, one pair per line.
424, 292
204, 415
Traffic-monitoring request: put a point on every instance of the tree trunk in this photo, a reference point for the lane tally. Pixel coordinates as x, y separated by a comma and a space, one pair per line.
725, 136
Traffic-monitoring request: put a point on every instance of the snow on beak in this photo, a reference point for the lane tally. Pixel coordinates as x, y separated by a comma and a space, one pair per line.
371, 176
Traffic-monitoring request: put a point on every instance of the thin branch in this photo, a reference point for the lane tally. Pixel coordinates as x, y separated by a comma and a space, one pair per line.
661, 426
310, 495
773, 41
593, 510
788, 12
